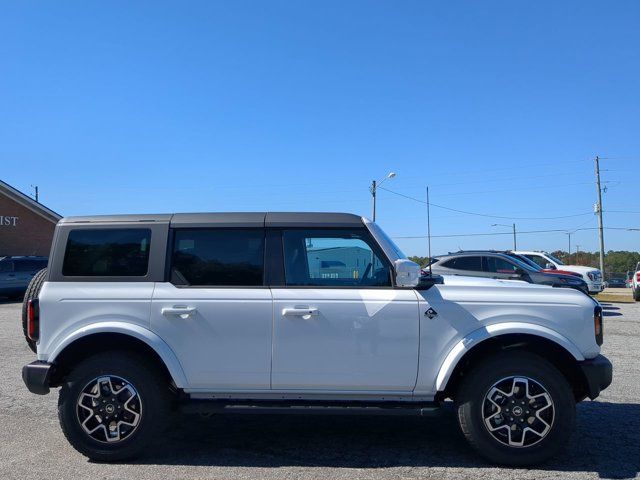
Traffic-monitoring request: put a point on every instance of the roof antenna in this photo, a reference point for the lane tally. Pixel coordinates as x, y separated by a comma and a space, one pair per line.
429, 232
35, 187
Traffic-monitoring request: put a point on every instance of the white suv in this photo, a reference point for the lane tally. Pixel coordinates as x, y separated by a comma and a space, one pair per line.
635, 283
592, 276
243, 312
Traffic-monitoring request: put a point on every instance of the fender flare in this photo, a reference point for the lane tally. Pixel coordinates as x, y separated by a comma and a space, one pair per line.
133, 330
491, 331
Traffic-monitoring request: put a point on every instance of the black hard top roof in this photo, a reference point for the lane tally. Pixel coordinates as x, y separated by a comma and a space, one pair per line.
229, 219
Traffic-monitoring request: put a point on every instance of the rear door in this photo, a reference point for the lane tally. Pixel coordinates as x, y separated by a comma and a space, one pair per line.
215, 312
467, 265
25, 269
339, 324
8, 280
498, 267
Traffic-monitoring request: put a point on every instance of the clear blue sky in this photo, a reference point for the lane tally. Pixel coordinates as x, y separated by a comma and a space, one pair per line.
500, 107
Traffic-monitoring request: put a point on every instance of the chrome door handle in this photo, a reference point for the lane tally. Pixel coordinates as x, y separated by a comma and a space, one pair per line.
300, 312
182, 311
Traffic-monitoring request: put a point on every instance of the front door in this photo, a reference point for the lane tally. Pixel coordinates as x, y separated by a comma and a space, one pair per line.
339, 325
215, 313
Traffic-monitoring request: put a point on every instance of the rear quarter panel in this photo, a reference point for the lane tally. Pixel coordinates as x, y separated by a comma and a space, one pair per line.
68, 307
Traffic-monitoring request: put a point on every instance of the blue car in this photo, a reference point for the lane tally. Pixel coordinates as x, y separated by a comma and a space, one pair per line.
17, 272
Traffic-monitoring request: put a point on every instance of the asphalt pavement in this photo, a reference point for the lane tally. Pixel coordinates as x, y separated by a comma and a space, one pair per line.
606, 443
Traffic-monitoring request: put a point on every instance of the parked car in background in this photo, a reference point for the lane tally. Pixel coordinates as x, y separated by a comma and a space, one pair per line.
635, 283
501, 265
17, 272
538, 267
616, 283
592, 276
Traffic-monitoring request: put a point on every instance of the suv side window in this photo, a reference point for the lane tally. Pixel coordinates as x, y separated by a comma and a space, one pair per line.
218, 257
541, 261
333, 258
109, 252
470, 263
499, 265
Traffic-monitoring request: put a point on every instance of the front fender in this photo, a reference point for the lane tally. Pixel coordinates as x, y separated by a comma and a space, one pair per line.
490, 331
136, 331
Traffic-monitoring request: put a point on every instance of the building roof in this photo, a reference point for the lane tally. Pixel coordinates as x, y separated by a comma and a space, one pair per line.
232, 219
28, 202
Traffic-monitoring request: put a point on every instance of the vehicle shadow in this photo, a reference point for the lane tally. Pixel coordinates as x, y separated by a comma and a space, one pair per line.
608, 313
607, 441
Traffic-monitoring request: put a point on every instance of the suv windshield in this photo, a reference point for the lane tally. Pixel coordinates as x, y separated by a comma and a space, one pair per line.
554, 259
533, 265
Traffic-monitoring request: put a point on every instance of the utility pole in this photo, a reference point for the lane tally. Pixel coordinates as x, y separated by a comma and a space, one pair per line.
599, 212
429, 232
515, 244
373, 195
374, 189
569, 235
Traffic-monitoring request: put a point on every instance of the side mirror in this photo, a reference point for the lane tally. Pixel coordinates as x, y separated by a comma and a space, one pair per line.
407, 273
550, 266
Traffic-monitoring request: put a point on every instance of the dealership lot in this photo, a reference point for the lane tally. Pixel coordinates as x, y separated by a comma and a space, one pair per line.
605, 445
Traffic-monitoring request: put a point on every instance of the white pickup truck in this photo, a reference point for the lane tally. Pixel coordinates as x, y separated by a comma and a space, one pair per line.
139, 315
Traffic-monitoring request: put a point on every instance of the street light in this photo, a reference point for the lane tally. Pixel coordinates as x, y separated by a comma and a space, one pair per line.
373, 189
515, 246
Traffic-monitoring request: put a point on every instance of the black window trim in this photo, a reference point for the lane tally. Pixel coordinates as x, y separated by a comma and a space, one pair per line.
369, 240
171, 244
155, 269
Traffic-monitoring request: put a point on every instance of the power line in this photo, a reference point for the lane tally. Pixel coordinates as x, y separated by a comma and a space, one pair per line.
487, 234
483, 214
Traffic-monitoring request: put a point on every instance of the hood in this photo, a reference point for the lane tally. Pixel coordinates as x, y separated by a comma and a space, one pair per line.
578, 268
488, 291
462, 281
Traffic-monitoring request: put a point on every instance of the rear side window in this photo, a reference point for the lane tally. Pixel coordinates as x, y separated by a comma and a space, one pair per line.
218, 257
107, 253
473, 264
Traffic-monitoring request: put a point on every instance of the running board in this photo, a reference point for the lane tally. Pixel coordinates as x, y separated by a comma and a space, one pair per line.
301, 407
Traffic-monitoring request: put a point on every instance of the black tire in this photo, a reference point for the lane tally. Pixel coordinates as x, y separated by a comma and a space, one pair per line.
470, 403
152, 388
33, 290
636, 294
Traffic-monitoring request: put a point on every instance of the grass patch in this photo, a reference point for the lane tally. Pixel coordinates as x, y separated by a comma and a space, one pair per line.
613, 298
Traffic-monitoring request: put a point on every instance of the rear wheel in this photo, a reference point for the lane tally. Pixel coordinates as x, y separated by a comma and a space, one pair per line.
636, 294
33, 290
112, 405
516, 409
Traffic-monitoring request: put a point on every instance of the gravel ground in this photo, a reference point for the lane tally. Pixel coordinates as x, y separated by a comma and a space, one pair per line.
606, 443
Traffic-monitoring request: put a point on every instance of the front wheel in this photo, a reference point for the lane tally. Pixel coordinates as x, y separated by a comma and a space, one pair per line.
112, 405
516, 409
636, 294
